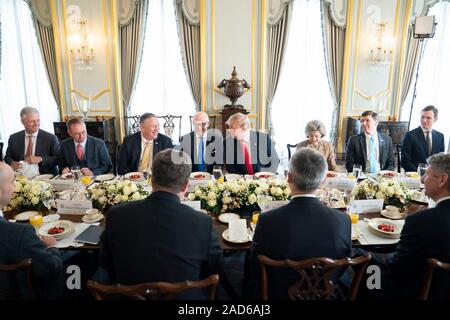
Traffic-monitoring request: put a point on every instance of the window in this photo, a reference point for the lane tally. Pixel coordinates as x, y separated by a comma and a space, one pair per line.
162, 86
23, 80
303, 93
434, 75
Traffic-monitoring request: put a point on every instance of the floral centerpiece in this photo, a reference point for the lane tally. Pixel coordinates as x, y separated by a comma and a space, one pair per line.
31, 195
231, 196
107, 194
392, 192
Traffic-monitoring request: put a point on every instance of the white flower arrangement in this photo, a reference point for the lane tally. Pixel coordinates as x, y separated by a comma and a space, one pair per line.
392, 192
107, 194
219, 197
30, 194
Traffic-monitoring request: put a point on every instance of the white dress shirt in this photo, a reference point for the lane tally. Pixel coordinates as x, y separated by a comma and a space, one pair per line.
83, 145
1, 214
425, 135
307, 195
442, 199
377, 151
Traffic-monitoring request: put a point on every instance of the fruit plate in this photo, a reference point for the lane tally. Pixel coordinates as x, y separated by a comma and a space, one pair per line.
387, 173
264, 175
385, 228
59, 229
199, 175
134, 176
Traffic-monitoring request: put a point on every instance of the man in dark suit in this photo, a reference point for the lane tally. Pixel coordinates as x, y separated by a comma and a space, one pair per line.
302, 229
138, 149
18, 241
247, 151
205, 147
425, 235
159, 238
32, 145
370, 149
422, 142
89, 153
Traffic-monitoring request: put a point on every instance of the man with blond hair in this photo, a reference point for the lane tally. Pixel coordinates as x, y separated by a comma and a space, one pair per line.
247, 151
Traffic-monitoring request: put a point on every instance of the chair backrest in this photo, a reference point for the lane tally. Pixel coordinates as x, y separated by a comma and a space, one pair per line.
152, 290
132, 124
112, 151
212, 122
290, 151
11, 271
171, 124
313, 282
432, 264
1, 151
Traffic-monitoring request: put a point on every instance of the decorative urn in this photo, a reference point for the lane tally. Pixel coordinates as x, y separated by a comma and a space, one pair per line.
233, 87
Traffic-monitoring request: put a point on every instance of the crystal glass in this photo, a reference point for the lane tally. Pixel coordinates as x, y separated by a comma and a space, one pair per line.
357, 169
218, 174
422, 169
76, 172
262, 202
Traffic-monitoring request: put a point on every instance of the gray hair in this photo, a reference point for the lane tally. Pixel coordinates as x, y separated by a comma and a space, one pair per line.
146, 116
26, 111
441, 164
171, 170
315, 125
240, 119
308, 168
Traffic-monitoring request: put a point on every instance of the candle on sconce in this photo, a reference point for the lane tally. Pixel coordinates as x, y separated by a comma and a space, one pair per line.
84, 106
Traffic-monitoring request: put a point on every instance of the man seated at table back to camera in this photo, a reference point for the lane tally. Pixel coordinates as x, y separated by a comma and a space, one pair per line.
302, 229
84, 151
36, 147
138, 149
370, 149
203, 145
423, 141
159, 238
247, 151
424, 235
18, 241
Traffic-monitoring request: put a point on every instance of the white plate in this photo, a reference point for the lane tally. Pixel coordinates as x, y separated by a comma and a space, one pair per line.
387, 173
97, 218
232, 176
43, 177
134, 176
227, 217
265, 175
225, 236
51, 217
68, 176
395, 215
374, 223
105, 177
69, 228
26, 215
199, 175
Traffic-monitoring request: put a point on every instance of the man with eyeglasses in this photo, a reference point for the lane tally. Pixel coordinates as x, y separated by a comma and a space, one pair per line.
203, 145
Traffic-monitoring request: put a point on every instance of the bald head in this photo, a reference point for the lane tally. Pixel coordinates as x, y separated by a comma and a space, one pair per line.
6, 184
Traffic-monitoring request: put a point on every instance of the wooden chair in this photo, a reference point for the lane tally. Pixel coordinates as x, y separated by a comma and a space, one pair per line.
152, 290
1, 151
289, 147
432, 264
170, 125
212, 122
11, 270
314, 281
112, 151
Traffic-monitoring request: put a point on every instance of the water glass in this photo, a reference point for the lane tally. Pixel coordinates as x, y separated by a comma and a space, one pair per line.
76, 172
357, 169
422, 169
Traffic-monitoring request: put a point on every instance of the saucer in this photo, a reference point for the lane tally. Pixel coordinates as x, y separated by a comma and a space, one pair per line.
26, 215
97, 218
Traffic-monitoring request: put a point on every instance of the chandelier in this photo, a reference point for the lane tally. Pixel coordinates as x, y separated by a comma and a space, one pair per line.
381, 51
81, 48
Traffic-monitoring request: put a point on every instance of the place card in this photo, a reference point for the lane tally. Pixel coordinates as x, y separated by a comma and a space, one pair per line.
193, 204
275, 204
237, 230
340, 183
410, 183
73, 206
372, 205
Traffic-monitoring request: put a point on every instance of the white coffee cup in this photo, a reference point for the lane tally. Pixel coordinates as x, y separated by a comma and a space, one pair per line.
92, 214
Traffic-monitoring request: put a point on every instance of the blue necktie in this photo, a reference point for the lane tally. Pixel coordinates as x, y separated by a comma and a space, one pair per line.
201, 157
372, 157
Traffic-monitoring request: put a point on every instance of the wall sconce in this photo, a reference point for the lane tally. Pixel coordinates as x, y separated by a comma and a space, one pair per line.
81, 48
381, 50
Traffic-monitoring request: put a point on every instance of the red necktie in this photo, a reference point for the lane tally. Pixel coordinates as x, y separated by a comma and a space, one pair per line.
248, 164
79, 152
29, 152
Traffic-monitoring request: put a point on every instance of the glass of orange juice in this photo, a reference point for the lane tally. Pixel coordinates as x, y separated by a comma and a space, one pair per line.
36, 221
255, 217
354, 217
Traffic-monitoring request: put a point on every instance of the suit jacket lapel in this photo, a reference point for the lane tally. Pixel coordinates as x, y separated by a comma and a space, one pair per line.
381, 144
156, 145
434, 142
39, 145
88, 151
362, 143
21, 145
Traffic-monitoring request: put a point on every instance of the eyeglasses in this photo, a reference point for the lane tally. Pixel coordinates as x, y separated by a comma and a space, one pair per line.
201, 124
